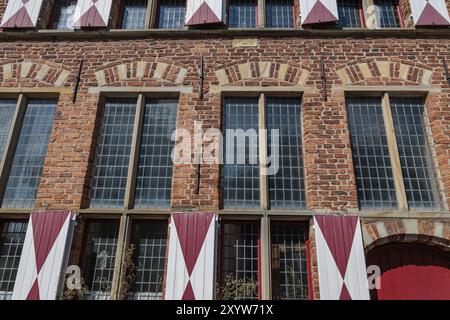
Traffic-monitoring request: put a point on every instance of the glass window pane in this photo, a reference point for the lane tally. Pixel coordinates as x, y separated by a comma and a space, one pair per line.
171, 14
279, 14
12, 237
7, 109
286, 187
289, 270
242, 13
149, 243
113, 153
417, 167
239, 274
240, 171
154, 178
31, 149
349, 13
387, 13
134, 13
101, 245
370, 150
64, 14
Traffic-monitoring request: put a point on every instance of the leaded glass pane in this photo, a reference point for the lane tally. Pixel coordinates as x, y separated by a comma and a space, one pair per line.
171, 14
134, 13
113, 153
30, 152
242, 14
289, 270
387, 11
279, 14
417, 167
370, 150
286, 186
349, 13
240, 171
101, 245
149, 242
12, 237
65, 10
7, 109
154, 178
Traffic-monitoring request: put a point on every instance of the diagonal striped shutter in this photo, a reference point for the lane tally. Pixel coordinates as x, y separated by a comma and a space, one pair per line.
44, 256
199, 12
318, 11
21, 14
340, 258
92, 13
191, 258
430, 12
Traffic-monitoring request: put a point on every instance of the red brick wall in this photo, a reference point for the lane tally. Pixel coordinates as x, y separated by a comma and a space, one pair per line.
330, 181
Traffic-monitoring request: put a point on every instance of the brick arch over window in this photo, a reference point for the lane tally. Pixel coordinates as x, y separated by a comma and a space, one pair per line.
429, 231
140, 72
263, 71
35, 72
378, 72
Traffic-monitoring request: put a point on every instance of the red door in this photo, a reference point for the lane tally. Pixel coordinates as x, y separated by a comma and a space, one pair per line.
411, 271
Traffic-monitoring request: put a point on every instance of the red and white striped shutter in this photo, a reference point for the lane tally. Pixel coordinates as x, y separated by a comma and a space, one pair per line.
340, 258
92, 13
199, 12
318, 11
430, 12
21, 14
191, 259
44, 256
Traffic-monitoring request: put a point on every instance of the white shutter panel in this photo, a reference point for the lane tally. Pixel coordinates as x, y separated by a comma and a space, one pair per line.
92, 13
21, 14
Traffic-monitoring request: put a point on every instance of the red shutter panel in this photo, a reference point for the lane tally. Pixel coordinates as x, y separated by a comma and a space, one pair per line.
430, 12
318, 11
199, 12
44, 256
21, 14
191, 258
92, 13
340, 258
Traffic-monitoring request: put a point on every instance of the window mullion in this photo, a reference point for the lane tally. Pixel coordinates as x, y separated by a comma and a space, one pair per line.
393, 152
264, 192
134, 155
261, 14
266, 267
122, 242
150, 18
11, 142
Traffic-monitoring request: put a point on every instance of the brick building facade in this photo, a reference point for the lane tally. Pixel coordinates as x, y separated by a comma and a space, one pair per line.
347, 99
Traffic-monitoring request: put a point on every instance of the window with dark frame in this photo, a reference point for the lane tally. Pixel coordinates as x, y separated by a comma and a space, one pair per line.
134, 14
289, 269
350, 12
387, 13
99, 259
28, 154
279, 13
242, 13
12, 238
149, 240
374, 151
171, 14
63, 17
111, 174
239, 267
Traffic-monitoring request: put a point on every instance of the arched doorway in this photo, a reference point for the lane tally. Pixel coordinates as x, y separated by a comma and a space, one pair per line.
411, 271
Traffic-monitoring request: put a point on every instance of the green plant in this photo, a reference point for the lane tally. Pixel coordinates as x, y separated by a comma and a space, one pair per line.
232, 288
